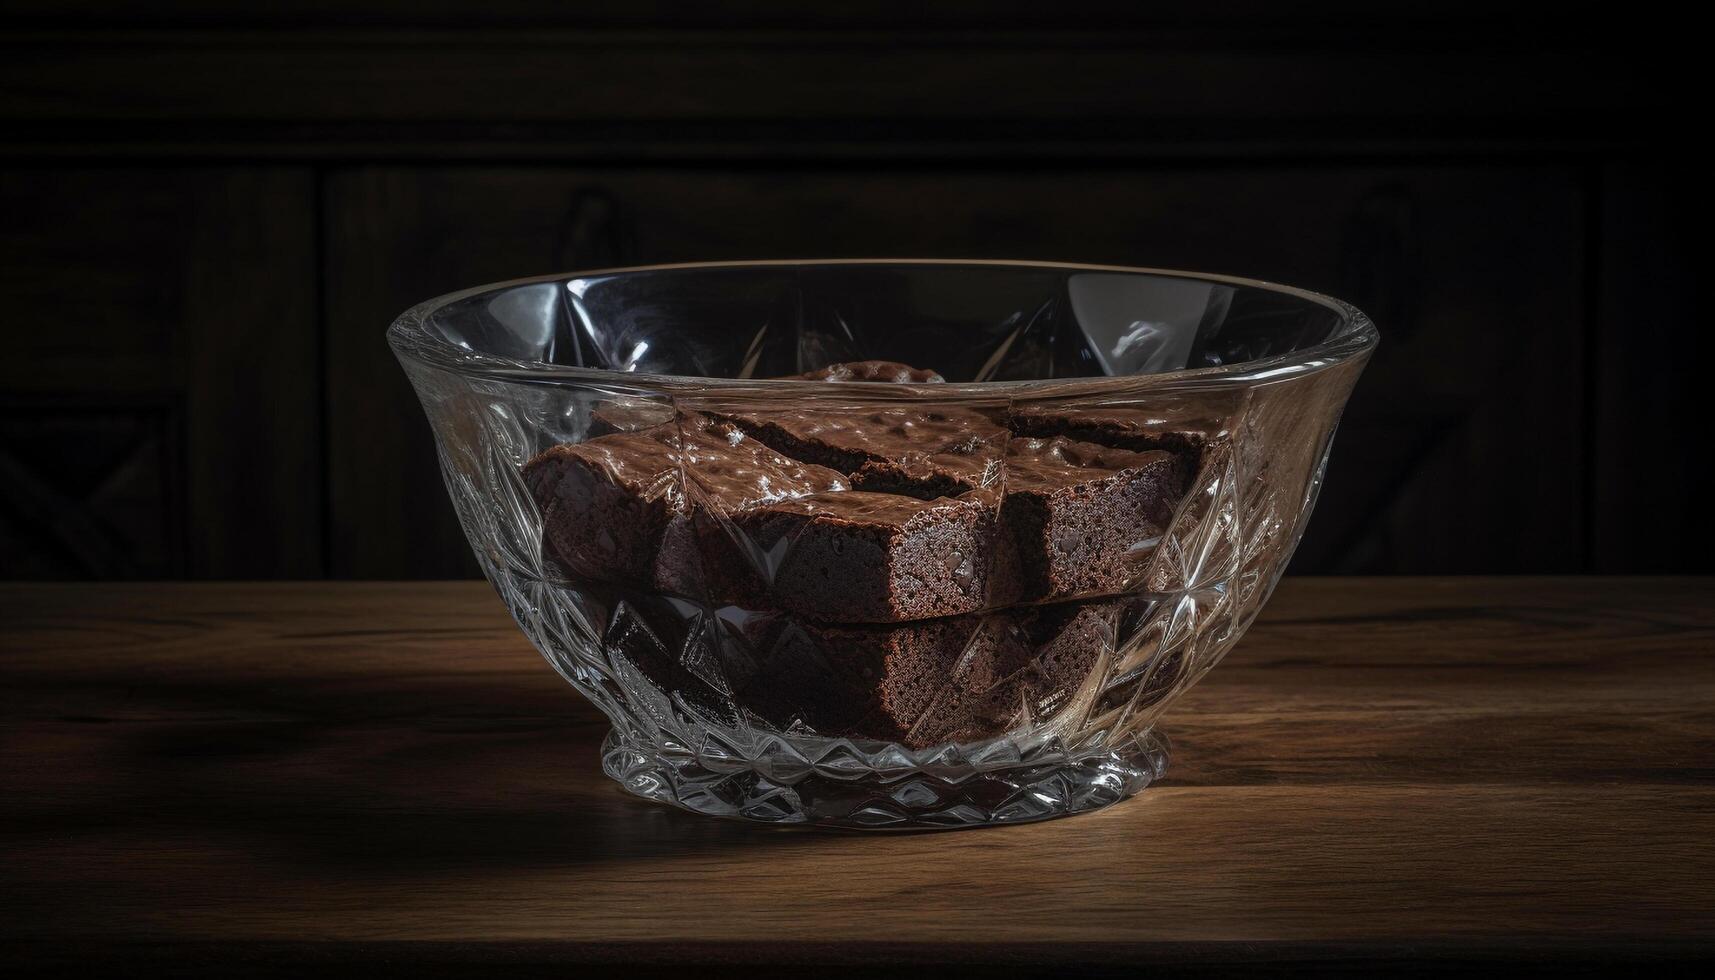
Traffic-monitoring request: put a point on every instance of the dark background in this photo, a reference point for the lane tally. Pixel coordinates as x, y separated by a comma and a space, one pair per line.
212, 213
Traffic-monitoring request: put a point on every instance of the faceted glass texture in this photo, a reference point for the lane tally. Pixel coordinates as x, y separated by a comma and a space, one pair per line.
882, 603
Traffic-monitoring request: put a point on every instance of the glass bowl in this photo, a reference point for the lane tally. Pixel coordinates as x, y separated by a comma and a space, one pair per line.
873, 597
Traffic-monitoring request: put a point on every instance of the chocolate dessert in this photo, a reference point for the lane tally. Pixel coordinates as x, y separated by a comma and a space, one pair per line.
1085, 518
962, 678
607, 503
925, 453
874, 560
1037, 668
628, 415
872, 682
1138, 430
859, 557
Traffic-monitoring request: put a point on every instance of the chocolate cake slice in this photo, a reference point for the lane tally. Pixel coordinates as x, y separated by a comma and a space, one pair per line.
1085, 518
846, 557
607, 503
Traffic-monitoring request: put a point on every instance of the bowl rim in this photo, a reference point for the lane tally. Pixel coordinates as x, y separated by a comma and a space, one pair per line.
411, 342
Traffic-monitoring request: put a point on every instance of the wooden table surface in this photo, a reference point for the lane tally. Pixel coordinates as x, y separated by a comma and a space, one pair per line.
361, 777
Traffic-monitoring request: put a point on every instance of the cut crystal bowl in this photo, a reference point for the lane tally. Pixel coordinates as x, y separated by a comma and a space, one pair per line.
890, 543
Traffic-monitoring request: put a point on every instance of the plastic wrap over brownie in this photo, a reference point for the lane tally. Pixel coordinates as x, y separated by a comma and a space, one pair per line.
858, 585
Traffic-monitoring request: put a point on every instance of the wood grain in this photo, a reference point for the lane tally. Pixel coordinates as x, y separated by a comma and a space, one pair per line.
181, 301
1401, 769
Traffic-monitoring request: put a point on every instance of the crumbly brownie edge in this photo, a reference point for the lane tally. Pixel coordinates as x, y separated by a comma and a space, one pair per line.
614, 533
1076, 540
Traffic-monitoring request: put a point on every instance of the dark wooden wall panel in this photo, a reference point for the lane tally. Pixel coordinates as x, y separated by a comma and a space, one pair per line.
1463, 448
539, 77
1652, 475
1473, 274
882, 14
162, 379
212, 211
616, 80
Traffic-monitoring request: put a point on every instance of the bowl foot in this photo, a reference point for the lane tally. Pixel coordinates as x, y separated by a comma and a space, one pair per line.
841, 786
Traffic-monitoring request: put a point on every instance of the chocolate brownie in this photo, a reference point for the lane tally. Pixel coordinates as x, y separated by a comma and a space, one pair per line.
847, 557
757, 530
858, 573
1178, 430
858, 681
1071, 637
957, 679
888, 371
628, 415
960, 679
607, 503
924, 453
1085, 518
1037, 670
864, 682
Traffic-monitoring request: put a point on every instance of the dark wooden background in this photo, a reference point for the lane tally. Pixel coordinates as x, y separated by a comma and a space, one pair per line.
211, 213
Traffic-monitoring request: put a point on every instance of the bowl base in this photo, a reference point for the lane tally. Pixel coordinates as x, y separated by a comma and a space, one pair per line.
911, 800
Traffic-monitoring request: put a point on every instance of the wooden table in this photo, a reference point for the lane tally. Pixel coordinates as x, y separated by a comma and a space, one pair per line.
354, 778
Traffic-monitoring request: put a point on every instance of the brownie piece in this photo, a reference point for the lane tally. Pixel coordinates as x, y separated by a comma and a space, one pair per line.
1139, 430
608, 503
758, 529
605, 503
1193, 427
1039, 667
961, 679
956, 679
628, 415
1085, 518
847, 557
865, 682
887, 371
862, 681
924, 453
